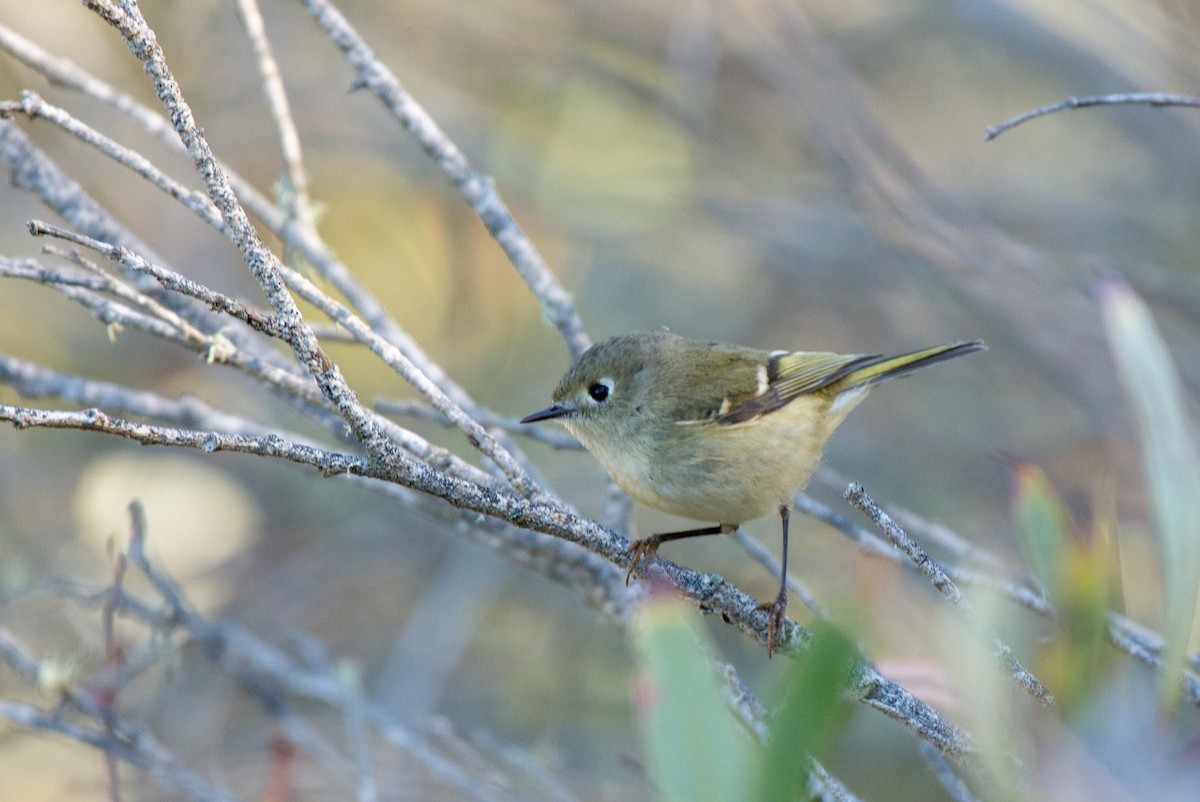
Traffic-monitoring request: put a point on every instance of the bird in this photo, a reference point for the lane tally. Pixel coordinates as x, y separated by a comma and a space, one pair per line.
717, 432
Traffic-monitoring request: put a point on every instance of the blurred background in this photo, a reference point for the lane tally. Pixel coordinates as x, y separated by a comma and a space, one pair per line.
786, 175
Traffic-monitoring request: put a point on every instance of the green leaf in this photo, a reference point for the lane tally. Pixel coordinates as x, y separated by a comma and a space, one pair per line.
814, 711
1044, 523
1169, 460
696, 751
1078, 574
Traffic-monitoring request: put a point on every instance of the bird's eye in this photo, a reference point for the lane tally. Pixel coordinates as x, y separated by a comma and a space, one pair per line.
599, 391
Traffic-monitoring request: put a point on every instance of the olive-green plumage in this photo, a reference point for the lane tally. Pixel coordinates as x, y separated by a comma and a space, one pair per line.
716, 432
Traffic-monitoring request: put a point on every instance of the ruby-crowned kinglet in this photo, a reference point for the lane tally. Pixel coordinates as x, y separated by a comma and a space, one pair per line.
716, 432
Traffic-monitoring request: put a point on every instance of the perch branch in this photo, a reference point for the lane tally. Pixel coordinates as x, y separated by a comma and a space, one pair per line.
709, 592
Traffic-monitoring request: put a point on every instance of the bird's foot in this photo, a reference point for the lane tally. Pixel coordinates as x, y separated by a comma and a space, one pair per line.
775, 619
641, 550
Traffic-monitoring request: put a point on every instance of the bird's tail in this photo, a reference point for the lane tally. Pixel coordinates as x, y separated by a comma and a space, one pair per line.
877, 369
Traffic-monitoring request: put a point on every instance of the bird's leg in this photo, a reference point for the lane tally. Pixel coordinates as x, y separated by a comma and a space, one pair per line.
779, 606
647, 547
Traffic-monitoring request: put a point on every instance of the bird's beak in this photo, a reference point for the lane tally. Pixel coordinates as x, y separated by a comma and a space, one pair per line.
549, 413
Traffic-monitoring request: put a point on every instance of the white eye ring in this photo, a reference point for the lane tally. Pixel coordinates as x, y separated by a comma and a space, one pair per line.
599, 391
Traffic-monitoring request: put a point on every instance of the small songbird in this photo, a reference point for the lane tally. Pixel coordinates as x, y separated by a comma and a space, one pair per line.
716, 432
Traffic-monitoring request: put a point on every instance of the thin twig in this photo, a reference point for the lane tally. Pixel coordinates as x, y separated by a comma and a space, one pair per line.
297, 238
141, 751
953, 544
256, 320
1135, 640
870, 544
477, 189
824, 786
85, 290
130, 745
126, 17
265, 673
113, 659
753, 717
63, 72
954, 785
215, 348
296, 199
32, 170
222, 347
33, 106
329, 463
898, 704
858, 497
1121, 99
31, 380
542, 434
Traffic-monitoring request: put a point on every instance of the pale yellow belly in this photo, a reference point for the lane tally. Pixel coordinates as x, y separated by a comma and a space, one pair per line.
732, 474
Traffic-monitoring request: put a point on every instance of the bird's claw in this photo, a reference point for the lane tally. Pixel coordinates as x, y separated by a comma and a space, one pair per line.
639, 551
775, 620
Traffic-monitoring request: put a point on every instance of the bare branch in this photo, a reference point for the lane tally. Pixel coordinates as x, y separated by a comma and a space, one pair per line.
142, 752
217, 350
487, 417
477, 189
898, 704
290, 324
267, 674
33, 106
387, 464
127, 19
85, 290
824, 786
114, 658
709, 592
222, 347
329, 463
263, 324
1137, 641
1122, 99
954, 785
857, 496
34, 381
115, 739
264, 673
598, 581
296, 200
299, 238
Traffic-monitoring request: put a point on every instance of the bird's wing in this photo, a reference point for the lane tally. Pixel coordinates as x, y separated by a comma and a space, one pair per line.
785, 377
